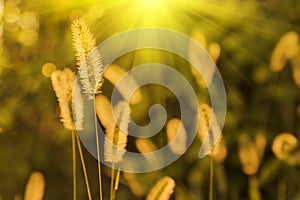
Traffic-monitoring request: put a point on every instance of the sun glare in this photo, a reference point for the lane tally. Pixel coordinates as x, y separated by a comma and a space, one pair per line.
155, 12
150, 2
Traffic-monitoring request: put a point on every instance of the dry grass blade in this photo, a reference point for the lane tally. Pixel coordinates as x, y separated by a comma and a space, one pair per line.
62, 82
162, 190
35, 187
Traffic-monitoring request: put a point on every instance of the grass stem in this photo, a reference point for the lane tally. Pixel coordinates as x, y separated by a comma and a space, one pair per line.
98, 151
282, 189
84, 168
74, 165
112, 182
253, 190
211, 178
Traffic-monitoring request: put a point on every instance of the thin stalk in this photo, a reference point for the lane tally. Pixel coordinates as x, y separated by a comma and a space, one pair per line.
253, 188
98, 151
282, 189
117, 180
211, 178
84, 168
116, 186
74, 165
112, 197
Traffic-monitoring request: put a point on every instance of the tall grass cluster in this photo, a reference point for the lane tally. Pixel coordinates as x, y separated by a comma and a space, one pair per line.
92, 76
51, 71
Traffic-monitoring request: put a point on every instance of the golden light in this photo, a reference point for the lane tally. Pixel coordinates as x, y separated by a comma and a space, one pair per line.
152, 3
151, 12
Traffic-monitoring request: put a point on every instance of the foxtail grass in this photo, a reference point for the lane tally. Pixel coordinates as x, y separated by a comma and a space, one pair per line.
115, 142
63, 83
35, 187
177, 137
209, 132
251, 154
248, 155
286, 48
283, 145
90, 72
213, 49
134, 184
78, 107
145, 146
162, 190
84, 168
104, 113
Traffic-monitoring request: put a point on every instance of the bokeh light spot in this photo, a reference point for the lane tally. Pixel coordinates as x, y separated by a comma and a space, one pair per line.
27, 38
29, 21
48, 68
